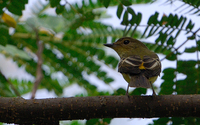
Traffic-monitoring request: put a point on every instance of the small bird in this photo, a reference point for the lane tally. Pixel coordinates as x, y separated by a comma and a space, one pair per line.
139, 66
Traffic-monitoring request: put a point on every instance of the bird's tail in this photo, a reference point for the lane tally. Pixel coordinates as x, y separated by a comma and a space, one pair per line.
139, 81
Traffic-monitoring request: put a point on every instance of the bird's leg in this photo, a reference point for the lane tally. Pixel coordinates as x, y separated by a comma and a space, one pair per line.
127, 90
154, 93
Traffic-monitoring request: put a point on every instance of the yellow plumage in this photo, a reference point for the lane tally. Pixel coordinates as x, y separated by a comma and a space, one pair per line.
139, 66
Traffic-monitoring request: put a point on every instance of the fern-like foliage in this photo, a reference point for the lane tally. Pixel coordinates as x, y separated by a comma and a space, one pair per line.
187, 6
78, 50
15, 7
167, 30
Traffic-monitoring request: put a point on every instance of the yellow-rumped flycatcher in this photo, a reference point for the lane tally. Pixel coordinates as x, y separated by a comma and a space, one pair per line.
139, 66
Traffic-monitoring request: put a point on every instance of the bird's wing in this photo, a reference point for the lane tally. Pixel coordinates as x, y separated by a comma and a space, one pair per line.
152, 66
130, 65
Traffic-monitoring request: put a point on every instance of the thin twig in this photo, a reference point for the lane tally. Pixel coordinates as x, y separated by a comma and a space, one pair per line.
175, 50
193, 35
124, 34
13, 88
132, 34
11, 85
73, 8
129, 29
39, 74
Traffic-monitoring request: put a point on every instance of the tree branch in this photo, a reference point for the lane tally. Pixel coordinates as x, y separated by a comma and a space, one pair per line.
39, 74
19, 110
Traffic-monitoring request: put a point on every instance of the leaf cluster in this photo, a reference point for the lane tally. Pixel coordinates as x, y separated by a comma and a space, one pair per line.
76, 54
14, 6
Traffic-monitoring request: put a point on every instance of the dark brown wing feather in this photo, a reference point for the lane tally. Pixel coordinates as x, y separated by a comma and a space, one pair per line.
139, 77
152, 66
130, 65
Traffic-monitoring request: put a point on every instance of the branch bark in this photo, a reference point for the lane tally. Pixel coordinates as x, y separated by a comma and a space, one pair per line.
19, 110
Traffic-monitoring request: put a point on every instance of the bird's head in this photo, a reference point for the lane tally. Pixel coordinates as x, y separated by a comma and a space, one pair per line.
127, 46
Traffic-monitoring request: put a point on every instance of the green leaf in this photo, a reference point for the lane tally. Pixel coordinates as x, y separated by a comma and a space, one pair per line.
186, 87
158, 49
189, 121
162, 38
52, 84
177, 120
14, 51
119, 10
60, 8
131, 11
172, 57
125, 19
89, 16
145, 31
106, 121
197, 120
54, 3
18, 4
189, 63
14, 10
1, 11
109, 59
23, 1
169, 74
126, 2
186, 66
2, 78
5, 90
106, 3
101, 74
4, 35
170, 41
167, 85
190, 50
139, 91
76, 23
120, 91
134, 17
190, 25
139, 18
92, 121
153, 19
108, 80
161, 121
3, 40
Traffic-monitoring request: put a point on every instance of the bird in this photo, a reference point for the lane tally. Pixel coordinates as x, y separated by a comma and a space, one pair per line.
138, 65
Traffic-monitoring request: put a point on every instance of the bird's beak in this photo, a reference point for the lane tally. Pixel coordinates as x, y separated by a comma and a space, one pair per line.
109, 45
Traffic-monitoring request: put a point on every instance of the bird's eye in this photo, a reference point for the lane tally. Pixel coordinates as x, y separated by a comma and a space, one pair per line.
126, 41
